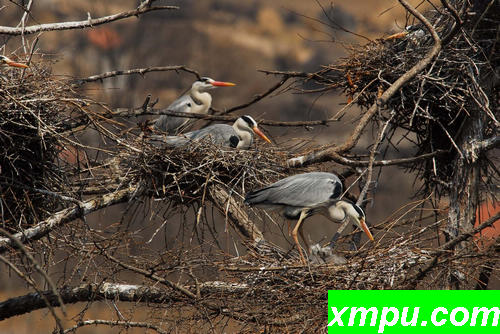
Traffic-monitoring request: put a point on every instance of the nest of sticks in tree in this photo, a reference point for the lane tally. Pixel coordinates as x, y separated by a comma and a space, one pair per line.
435, 104
35, 108
182, 175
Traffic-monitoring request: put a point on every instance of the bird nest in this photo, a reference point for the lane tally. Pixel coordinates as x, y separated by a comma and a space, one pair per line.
183, 175
36, 109
434, 105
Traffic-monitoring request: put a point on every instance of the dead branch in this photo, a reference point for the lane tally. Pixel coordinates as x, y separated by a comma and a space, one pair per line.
33, 284
237, 216
67, 215
389, 162
258, 97
151, 275
144, 7
140, 71
37, 267
115, 323
84, 293
141, 111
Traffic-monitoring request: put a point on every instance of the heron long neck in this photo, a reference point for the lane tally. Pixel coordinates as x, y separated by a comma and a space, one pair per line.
245, 134
202, 101
337, 212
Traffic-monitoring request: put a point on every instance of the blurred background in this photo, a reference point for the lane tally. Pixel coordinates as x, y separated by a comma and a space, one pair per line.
226, 40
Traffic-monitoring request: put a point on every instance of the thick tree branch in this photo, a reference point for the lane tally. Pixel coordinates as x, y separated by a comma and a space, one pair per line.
389, 162
67, 215
143, 8
236, 214
328, 153
115, 323
84, 293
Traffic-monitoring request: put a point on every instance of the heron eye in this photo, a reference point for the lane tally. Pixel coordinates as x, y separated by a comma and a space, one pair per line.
189, 104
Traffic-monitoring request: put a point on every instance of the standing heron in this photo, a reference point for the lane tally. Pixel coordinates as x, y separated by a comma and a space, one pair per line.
196, 100
303, 195
7, 61
239, 135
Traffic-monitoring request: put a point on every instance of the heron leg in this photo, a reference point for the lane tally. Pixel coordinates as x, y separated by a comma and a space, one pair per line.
339, 231
303, 215
303, 238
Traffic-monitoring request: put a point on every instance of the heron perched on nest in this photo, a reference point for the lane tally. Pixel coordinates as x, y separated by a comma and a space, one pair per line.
196, 100
239, 135
303, 195
7, 61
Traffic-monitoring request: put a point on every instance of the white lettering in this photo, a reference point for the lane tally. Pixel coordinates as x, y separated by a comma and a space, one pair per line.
453, 315
337, 316
486, 314
434, 314
414, 318
383, 318
364, 312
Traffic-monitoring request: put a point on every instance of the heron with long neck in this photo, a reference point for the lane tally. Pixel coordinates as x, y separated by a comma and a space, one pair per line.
240, 135
196, 100
303, 195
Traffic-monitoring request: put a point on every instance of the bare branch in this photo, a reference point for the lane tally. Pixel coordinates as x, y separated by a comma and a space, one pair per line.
257, 97
88, 292
141, 71
390, 162
237, 216
125, 112
113, 323
67, 215
151, 275
143, 8
38, 268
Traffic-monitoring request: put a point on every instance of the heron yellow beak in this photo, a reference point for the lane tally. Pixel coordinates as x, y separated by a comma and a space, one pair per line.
261, 134
365, 228
14, 64
223, 84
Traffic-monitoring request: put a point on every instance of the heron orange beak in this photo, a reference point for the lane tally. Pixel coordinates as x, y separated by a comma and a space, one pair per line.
261, 134
14, 64
365, 228
223, 84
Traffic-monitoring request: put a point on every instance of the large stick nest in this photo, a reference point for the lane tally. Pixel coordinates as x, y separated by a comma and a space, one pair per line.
35, 108
432, 107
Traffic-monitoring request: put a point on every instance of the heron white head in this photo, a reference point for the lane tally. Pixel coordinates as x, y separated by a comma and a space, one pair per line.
343, 209
8, 61
244, 126
204, 83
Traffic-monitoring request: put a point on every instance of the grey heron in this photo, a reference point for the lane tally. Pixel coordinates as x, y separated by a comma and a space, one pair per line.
239, 135
196, 100
8, 61
303, 195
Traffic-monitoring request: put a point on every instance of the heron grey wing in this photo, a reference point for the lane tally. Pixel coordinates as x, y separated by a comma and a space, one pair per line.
219, 134
171, 123
303, 190
176, 141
